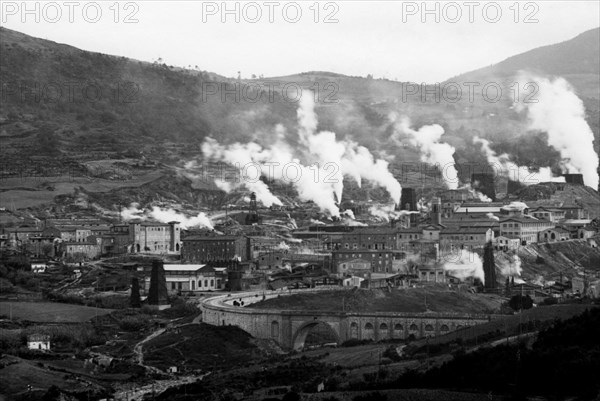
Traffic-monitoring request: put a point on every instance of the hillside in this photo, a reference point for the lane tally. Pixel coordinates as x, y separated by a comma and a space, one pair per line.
576, 60
78, 126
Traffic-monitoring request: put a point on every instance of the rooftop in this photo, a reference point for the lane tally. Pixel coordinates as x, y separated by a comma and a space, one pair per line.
184, 268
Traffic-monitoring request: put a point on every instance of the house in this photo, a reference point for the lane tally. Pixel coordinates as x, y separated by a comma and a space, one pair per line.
505, 243
555, 234
586, 233
352, 281
38, 342
524, 228
191, 278
38, 266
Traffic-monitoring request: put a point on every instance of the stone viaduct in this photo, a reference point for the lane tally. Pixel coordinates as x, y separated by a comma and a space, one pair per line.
290, 327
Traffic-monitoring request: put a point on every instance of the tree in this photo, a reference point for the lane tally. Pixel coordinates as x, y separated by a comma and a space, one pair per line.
489, 266
519, 302
135, 300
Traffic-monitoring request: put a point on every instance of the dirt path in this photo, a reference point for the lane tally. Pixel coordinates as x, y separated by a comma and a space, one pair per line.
139, 354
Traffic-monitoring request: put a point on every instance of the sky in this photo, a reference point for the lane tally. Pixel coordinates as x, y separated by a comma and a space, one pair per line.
402, 40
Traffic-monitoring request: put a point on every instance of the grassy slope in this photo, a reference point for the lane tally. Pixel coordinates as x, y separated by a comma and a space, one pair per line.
438, 299
200, 346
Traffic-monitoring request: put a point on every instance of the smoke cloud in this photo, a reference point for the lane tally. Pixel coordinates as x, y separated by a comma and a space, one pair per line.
560, 113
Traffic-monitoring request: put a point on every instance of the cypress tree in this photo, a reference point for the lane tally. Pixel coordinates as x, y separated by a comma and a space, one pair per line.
489, 266
135, 301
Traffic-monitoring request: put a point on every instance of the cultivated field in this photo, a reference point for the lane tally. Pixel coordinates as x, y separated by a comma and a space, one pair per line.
50, 311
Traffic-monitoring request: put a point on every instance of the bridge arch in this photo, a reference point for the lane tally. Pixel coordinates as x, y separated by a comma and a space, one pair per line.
302, 331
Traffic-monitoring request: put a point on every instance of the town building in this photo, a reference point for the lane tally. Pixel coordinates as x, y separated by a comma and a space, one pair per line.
478, 209
354, 267
382, 261
505, 243
155, 238
524, 228
210, 247
90, 249
364, 238
555, 234
271, 260
548, 213
465, 237
573, 226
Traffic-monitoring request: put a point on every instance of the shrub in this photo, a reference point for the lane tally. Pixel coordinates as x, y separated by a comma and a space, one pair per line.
521, 302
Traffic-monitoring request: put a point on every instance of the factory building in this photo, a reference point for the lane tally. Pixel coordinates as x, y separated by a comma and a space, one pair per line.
524, 228
212, 248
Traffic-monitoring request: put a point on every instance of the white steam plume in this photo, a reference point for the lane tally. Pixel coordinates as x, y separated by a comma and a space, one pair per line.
515, 206
427, 139
316, 170
512, 170
475, 193
166, 216
560, 113
388, 212
512, 267
467, 264
492, 216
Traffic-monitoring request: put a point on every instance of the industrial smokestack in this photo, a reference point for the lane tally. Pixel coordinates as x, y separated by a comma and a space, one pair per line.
408, 199
158, 296
575, 179
484, 183
436, 211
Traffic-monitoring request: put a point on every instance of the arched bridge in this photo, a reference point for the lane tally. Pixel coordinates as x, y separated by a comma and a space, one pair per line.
290, 327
